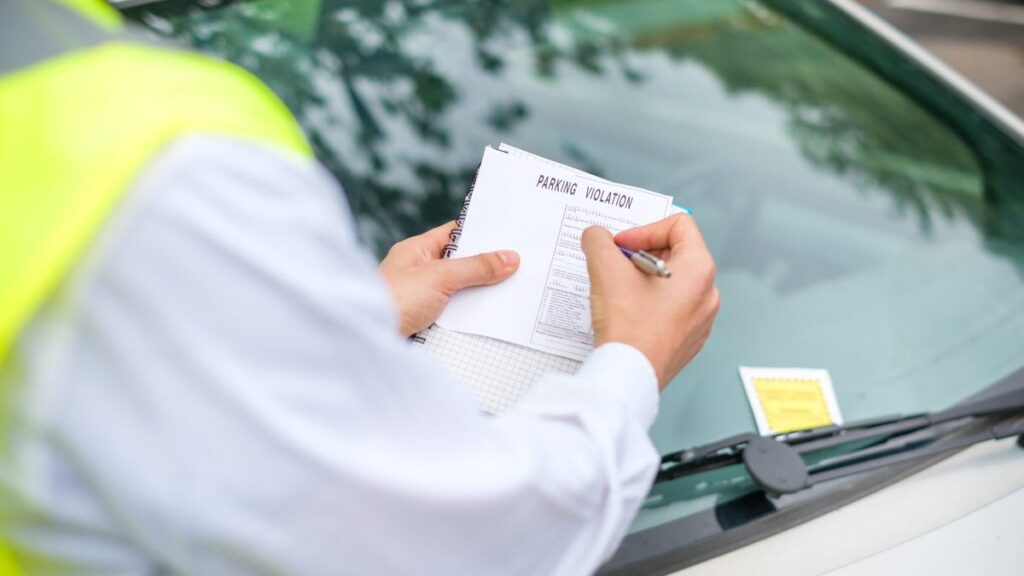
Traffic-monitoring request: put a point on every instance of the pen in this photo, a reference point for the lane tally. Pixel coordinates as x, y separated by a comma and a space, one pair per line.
647, 263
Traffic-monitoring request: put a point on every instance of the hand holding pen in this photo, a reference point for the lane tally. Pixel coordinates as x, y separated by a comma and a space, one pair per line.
667, 318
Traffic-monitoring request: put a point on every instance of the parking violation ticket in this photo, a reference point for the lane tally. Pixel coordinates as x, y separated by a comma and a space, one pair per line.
789, 399
540, 208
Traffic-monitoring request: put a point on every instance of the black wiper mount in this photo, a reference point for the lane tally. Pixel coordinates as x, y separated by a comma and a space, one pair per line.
776, 463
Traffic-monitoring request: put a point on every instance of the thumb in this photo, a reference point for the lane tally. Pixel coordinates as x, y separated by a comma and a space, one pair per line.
603, 256
480, 270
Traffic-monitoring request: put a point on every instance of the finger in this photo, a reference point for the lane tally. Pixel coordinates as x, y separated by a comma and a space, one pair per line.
664, 233
680, 231
659, 253
480, 270
603, 256
437, 238
691, 250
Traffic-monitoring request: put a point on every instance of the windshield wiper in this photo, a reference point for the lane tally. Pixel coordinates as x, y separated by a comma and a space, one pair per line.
776, 464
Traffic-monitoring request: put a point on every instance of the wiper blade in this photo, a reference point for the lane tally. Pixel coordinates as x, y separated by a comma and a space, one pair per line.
776, 463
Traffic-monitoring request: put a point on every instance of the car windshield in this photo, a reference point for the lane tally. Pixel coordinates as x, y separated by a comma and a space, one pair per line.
854, 231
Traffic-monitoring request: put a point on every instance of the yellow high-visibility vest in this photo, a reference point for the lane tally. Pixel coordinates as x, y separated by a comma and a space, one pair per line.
80, 118
77, 128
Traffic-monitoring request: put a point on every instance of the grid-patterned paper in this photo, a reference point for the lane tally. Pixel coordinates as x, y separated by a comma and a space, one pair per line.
498, 372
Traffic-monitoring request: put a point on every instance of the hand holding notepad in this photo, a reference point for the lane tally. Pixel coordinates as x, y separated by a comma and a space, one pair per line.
669, 319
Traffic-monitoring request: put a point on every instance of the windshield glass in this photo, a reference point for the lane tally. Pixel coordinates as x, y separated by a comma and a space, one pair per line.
852, 229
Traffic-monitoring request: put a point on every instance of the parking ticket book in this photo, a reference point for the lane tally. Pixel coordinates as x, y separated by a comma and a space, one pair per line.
501, 339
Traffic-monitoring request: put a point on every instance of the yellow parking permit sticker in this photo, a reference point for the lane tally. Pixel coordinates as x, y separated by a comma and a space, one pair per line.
788, 399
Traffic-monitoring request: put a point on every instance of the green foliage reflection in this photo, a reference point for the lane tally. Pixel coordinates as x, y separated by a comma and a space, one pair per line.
372, 96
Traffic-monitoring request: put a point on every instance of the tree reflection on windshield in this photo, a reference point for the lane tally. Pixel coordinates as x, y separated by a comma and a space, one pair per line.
355, 76
833, 124
354, 83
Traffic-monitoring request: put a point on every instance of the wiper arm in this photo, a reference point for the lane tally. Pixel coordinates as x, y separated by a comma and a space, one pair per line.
776, 465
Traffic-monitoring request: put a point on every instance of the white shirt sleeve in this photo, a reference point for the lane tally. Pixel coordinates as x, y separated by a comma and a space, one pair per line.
224, 389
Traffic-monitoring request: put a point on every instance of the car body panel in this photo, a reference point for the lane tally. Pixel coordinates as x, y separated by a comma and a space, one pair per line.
1002, 116
986, 541
986, 475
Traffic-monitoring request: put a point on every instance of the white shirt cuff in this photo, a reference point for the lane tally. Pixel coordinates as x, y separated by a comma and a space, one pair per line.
615, 371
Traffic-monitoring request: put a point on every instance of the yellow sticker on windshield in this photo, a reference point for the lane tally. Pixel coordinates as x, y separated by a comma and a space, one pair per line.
788, 399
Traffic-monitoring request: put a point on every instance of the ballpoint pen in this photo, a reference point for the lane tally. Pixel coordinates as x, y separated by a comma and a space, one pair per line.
647, 263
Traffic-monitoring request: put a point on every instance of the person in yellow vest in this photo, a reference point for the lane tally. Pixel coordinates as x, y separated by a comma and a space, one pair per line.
203, 371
